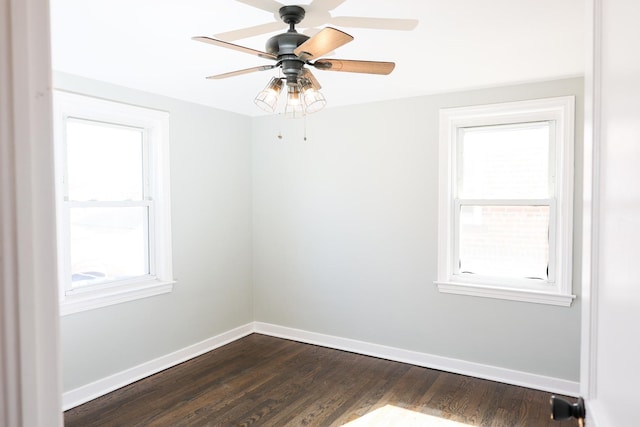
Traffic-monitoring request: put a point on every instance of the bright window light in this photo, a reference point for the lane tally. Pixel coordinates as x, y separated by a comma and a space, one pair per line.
94, 152
390, 415
108, 244
504, 241
505, 161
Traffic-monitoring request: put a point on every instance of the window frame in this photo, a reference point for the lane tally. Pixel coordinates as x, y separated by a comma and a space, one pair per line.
560, 112
155, 128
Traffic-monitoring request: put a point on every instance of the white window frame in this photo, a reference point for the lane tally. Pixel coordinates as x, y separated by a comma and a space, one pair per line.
557, 290
155, 125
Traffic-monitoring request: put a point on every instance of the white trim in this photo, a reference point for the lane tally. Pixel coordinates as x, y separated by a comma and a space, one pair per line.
110, 204
533, 110
590, 204
596, 415
478, 370
524, 295
82, 301
29, 342
113, 382
505, 202
83, 394
559, 110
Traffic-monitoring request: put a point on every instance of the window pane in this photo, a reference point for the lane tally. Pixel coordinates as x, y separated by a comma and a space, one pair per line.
103, 162
499, 162
504, 241
108, 244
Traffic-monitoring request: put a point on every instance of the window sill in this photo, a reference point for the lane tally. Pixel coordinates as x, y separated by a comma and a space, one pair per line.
524, 295
89, 300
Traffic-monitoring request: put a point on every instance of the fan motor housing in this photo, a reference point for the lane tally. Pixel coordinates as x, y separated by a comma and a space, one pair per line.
285, 43
283, 46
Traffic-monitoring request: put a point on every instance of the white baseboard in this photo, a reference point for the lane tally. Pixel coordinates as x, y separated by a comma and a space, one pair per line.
597, 414
493, 373
106, 385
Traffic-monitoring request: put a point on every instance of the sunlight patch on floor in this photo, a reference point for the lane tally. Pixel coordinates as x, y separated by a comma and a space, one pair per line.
394, 416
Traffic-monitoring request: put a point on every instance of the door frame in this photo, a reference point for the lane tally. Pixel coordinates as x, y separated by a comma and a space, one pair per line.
30, 373
29, 337
590, 202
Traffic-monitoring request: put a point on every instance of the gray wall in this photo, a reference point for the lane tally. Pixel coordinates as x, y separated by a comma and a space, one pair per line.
336, 235
211, 224
345, 236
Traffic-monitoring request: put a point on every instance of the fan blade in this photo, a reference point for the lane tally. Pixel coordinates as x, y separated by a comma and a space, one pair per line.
324, 5
234, 47
351, 66
306, 73
266, 5
240, 72
375, 23
323, 42
244, 33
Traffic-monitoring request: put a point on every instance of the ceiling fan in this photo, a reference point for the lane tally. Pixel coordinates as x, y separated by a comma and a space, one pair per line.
293, 52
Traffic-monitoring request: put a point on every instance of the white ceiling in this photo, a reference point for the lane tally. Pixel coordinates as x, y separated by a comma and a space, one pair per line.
457, 44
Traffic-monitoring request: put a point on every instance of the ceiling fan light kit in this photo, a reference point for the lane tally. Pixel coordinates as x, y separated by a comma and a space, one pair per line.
293, 52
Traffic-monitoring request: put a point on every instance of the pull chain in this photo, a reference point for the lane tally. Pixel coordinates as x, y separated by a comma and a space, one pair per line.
304, 124
305, 127
280, 130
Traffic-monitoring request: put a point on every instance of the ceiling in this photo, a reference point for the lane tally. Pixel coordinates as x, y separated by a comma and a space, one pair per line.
457, 45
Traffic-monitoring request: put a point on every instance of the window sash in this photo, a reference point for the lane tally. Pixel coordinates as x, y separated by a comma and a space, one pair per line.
146, 182
458, 151
148, 238
146, 201
504, 281
458, 202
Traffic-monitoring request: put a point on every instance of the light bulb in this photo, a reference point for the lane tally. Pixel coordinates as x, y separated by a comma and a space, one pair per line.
294, 108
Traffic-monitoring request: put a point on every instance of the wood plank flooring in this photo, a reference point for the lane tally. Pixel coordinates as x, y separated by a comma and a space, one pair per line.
265, 381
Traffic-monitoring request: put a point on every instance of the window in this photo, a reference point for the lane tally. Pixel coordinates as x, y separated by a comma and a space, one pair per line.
505, 203
113, 204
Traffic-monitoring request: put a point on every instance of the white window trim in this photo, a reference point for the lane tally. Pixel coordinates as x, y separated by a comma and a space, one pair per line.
560, 110
156, 123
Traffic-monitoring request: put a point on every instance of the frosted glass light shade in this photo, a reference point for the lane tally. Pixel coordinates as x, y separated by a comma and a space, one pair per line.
267, 99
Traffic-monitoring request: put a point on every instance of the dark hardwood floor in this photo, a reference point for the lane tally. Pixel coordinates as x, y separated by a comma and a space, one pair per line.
260, 380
